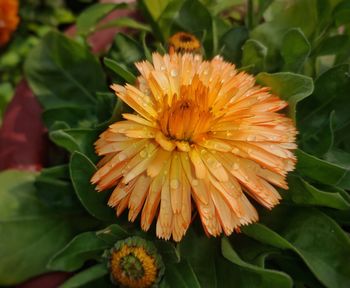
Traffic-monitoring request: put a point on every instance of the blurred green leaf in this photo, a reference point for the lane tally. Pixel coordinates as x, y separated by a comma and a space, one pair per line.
253, 59
202, 20
125, 22
316, 238
83, 247
156, 7
63, 73
295, 50
232, 42
87, 21
119, 70
289, 86
81, 171
30, 231
86, 276
341, 13
125, 50
6, 93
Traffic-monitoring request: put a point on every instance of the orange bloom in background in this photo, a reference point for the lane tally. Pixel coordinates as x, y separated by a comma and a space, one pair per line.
8, 19
201, 131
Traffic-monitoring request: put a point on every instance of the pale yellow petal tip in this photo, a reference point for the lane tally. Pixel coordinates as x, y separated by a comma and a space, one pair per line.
203, 135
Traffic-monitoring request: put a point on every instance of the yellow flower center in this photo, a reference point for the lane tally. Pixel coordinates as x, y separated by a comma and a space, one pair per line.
187, 119
133, 267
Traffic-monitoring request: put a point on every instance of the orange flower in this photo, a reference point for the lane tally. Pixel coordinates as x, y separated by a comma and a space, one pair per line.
202, 131
8, 19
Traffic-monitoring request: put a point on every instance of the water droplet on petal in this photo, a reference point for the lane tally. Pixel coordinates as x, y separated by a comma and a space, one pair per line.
251, 138
228, 133
235, 166
173, 73
174, 184
143, 154
235, 150
195, 182
162, 68
122, 156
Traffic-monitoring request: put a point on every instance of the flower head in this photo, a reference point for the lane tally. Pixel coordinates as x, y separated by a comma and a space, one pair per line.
203, 133
184, 42
8, 19
134, 263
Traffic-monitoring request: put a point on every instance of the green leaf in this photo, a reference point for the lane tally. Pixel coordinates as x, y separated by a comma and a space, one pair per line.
126, 50
322, 171
119, 70
72, 116
338, 157
315, 237
191, 249
89, 18
30, 231
76, 140
253, 59
156, 7
202, 20
342, 13
302, 192
112, 234
83, 247
320, 141
288, 86
232, 42
126, 22
295, 50
331, 94
81, 171
63, 73
265, 277
170, 253
332, 45
181, 275
86, 276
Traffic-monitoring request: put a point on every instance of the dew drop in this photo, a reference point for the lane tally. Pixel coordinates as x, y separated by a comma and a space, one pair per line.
197, 58
235, 166
195, 182
122, 156
143, 154
228, 133
205, 72
162, 68
174, 184
235, 150
173, 73
251, 138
